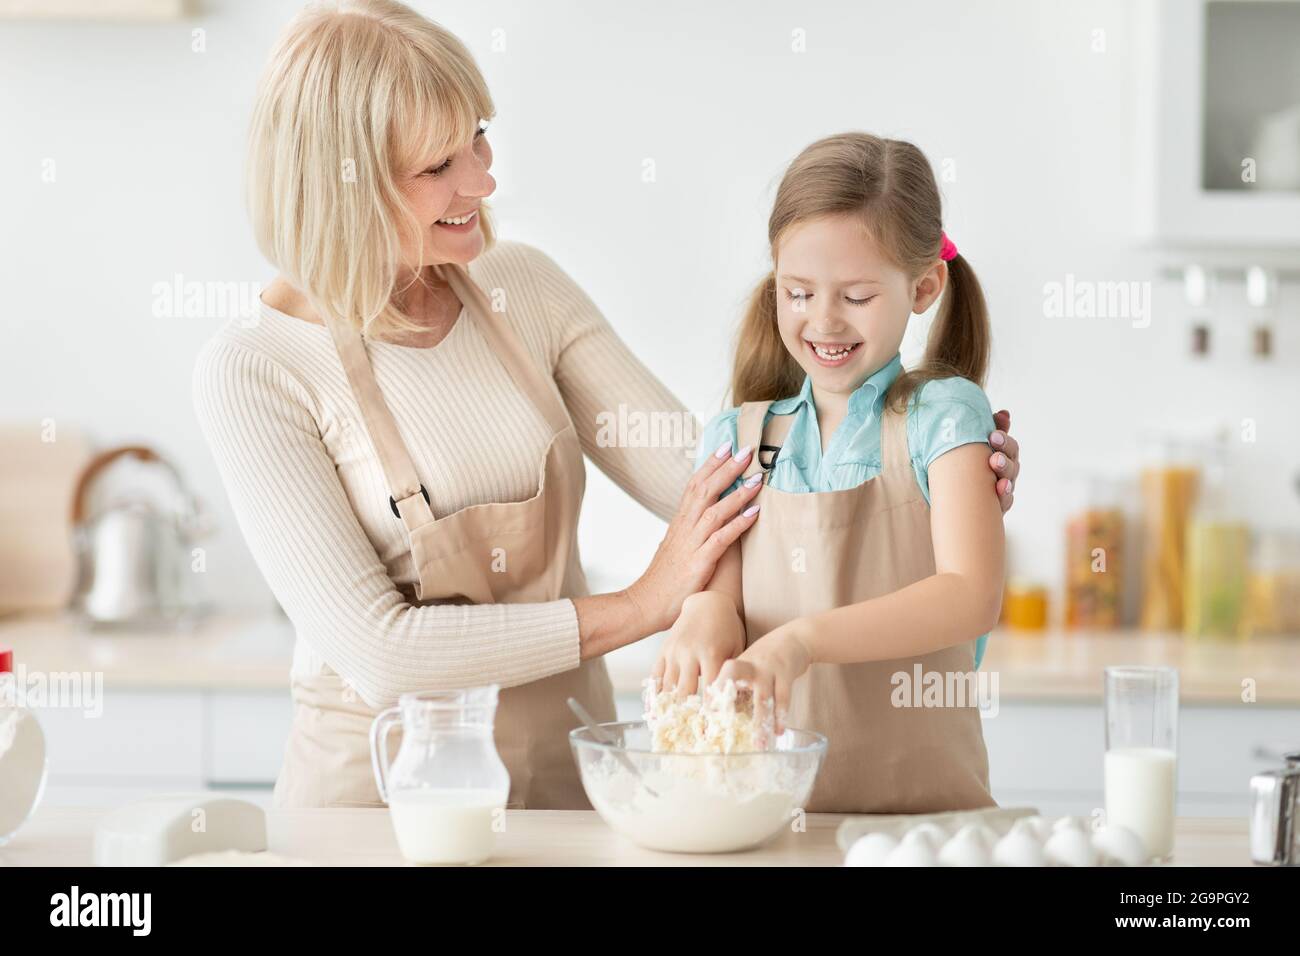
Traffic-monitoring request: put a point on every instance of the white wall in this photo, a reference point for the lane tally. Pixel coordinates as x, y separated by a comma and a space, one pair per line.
147, 138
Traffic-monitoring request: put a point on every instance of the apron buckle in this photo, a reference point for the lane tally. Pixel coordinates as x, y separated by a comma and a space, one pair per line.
393, 504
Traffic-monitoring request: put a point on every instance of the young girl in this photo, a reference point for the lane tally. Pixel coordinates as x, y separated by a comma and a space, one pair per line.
876, 562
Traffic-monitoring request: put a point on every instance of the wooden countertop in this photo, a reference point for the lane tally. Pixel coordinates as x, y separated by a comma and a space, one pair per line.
1063, 665
254, 651
64, 837
237, 651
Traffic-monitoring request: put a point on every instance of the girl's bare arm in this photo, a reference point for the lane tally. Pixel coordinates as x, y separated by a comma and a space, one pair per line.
959, 602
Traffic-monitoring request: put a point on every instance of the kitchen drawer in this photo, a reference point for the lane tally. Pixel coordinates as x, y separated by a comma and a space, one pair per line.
247, 731
139, 734
1059, 748
1059, 803
1055, 747
1221, 748
78, 792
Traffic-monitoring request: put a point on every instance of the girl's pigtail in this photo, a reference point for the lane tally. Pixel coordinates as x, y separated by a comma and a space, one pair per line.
764, 370
959, 339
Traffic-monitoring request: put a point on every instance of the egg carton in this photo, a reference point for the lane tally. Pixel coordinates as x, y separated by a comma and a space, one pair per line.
996, 836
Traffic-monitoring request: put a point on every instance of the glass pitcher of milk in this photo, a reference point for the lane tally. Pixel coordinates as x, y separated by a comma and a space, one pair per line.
1141, 761
447, 788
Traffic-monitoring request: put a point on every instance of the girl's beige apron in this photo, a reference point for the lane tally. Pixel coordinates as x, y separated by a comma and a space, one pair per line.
495, 553
813, 552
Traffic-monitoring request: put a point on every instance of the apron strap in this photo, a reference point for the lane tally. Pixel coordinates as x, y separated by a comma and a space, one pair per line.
766, 441
894, 454
408, 498
540, 388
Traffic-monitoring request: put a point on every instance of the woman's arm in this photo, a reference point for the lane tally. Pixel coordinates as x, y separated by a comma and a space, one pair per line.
700, 537
316, 558
631, 426
311, 549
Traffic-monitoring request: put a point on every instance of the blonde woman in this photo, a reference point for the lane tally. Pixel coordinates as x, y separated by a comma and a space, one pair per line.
402, 432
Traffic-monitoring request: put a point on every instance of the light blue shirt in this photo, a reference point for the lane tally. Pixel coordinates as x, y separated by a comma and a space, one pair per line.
943, 414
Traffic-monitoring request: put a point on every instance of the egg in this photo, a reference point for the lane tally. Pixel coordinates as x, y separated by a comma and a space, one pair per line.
1039, 826
870, 850
1069, 846
1026, 827
1119, 846
936, 834
917, 849
985, 833
1019, 848
1068, 823
969, 847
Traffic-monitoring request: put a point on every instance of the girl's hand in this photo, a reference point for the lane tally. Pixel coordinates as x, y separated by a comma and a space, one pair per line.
1005, 460
769, 667
706, 635
697, 537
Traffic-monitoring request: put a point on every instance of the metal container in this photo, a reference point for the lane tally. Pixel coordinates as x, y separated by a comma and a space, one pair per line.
134, 554
1275, 814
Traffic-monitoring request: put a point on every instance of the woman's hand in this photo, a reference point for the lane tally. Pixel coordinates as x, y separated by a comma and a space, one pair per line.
699, 534
705, 636
1005, 460
769, 667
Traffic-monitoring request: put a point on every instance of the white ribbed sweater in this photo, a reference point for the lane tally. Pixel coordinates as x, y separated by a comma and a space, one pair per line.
312, 502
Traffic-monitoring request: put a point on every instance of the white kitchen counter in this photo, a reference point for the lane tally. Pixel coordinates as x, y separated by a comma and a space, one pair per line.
64, 837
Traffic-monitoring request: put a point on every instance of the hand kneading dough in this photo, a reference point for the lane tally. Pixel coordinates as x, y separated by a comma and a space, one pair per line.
719, 721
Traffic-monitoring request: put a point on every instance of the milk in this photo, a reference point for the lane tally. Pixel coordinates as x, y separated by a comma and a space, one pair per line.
1140, 795
445, 826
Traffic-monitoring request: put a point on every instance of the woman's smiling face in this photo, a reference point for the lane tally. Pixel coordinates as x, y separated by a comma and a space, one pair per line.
449, 187
842, 305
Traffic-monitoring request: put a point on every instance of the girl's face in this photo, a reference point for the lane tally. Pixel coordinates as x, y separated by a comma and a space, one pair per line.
842, 305
444, 188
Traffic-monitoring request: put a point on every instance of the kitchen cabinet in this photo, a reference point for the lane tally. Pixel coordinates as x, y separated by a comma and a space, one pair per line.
153, 741
197, 708
1217, 158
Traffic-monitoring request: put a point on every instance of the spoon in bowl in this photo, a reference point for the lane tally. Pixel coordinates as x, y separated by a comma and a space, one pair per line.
603, 736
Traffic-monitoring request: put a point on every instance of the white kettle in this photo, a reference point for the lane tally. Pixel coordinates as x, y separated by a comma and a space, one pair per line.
134, 556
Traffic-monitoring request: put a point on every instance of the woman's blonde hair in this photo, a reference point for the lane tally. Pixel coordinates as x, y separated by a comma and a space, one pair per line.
356, 94
889, 185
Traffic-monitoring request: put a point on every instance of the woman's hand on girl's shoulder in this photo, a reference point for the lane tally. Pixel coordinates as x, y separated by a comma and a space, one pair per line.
1005, 460
697, 537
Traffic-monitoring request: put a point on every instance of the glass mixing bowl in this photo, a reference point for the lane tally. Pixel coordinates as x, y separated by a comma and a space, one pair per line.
695, 803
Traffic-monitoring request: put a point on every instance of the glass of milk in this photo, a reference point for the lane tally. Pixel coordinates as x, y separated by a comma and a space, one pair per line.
1141, 753
447, 788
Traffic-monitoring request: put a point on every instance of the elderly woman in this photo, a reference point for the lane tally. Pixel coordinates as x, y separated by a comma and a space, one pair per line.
402, 431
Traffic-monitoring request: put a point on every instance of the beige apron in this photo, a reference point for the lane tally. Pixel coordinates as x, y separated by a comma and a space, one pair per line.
494, 553
813, 552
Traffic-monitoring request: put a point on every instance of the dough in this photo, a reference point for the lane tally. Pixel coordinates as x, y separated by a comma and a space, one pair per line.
722, 720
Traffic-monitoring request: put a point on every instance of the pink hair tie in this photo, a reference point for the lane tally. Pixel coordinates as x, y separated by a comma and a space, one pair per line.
947, 250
